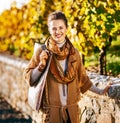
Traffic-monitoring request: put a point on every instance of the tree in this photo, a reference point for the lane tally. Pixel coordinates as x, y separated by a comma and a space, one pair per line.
91, 23
17, 28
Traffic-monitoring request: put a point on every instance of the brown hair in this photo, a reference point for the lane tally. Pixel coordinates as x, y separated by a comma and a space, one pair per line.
57, 15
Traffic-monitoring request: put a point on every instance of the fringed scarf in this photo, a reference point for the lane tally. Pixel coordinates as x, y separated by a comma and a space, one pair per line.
61, 54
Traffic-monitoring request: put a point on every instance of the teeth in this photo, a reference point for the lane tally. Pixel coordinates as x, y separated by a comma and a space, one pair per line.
58, 36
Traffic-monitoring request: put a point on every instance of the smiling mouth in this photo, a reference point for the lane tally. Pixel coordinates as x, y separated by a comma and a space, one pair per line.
58, 36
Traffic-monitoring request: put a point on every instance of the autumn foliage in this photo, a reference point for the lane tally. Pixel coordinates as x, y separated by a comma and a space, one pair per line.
91, 24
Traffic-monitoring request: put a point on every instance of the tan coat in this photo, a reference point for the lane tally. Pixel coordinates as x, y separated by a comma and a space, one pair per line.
53, 111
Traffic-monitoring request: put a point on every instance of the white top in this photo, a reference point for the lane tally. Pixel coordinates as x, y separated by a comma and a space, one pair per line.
63, 87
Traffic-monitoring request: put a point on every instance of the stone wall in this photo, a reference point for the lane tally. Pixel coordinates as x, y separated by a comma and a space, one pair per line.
13, 86
100, 108
94, 108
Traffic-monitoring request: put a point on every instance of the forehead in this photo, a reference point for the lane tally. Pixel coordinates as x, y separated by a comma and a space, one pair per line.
56, 23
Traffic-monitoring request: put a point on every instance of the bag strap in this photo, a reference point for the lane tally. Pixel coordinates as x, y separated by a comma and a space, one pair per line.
44, 47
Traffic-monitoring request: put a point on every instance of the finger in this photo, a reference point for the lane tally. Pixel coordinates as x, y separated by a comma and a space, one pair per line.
111, 83
42, 62
107, 88
42, 65
43, 55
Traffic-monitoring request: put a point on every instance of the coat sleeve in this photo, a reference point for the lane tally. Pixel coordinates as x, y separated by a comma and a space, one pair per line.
83, 79
33, 63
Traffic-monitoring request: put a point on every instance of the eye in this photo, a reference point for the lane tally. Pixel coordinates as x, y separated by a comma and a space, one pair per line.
54, 29
61, 27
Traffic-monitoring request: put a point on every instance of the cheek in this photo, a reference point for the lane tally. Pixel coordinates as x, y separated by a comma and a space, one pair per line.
51, 31
65, 32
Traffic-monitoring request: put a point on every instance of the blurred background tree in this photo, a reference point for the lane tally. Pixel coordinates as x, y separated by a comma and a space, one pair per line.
93, 25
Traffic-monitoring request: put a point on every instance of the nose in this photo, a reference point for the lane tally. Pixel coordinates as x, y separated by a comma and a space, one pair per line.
57, 31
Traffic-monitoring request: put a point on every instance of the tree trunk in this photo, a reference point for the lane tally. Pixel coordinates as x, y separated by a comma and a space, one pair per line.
83, 59
103, 59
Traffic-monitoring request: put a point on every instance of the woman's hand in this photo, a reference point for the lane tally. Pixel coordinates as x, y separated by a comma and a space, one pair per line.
105, 90
43, 59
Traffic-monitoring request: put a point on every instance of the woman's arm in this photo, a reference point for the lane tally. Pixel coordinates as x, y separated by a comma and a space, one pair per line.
35, 67
98, 90
35, 75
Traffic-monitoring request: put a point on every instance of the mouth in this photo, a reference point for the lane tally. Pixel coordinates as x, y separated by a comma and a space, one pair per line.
58, 35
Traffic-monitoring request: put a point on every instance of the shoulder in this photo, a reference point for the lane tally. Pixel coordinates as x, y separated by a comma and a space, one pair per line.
38, 47
77, 52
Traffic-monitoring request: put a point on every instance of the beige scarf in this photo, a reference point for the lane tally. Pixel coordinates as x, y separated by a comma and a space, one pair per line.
61, 54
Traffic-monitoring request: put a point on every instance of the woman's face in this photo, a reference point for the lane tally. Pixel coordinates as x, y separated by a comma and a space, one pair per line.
58, 30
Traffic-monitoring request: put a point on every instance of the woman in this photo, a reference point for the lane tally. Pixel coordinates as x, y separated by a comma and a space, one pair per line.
66, 78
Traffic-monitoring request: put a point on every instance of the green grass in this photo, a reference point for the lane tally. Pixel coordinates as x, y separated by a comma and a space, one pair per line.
113, 59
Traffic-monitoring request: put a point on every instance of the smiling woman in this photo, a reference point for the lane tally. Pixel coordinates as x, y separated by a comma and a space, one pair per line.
66, 79
6, 4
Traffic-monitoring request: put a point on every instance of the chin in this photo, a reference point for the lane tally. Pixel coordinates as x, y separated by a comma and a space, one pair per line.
57, 40
60, 40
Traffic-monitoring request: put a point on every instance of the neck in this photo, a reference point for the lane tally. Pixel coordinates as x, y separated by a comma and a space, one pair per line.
61, 44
